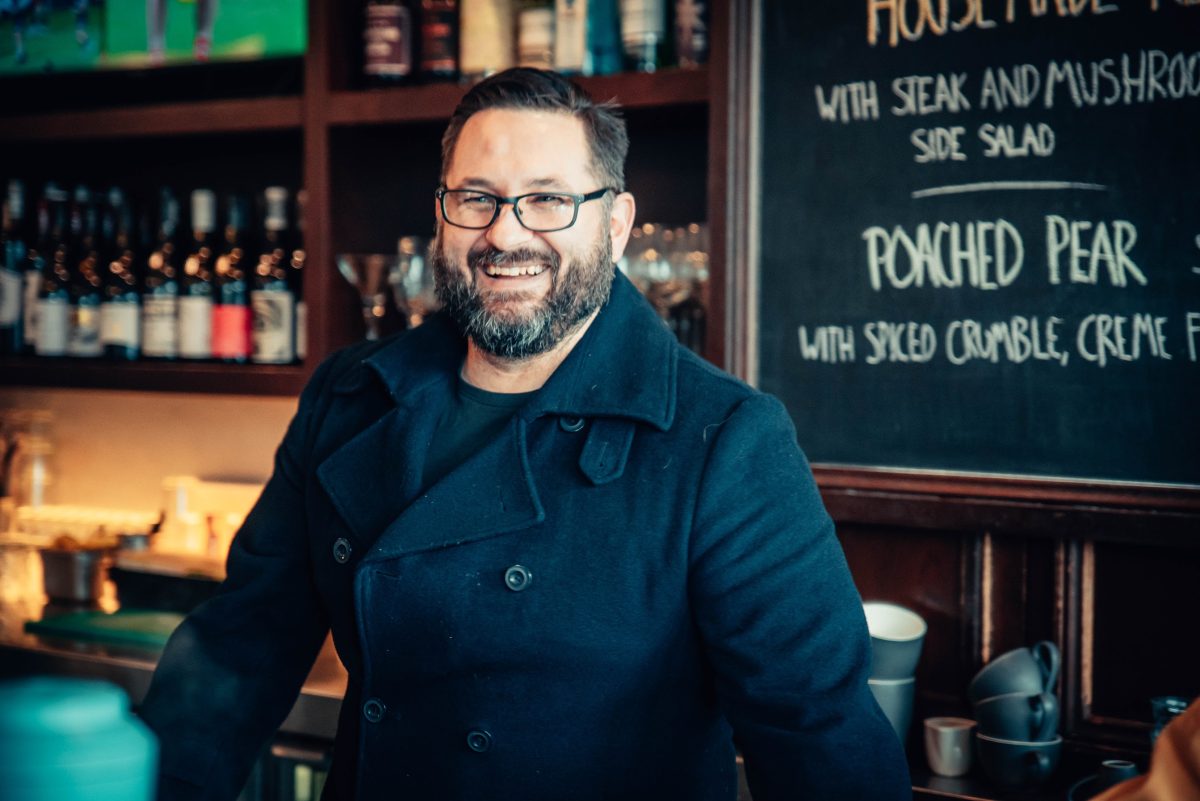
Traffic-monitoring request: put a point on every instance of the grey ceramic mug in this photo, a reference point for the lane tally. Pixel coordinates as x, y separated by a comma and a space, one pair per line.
1029, 670
895, 698
1018, 716
1017, 762
897, 634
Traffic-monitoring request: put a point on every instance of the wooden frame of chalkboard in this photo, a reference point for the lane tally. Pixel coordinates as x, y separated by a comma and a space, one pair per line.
979, 246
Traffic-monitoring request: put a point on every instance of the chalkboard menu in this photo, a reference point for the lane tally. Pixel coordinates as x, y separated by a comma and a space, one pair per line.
980, 241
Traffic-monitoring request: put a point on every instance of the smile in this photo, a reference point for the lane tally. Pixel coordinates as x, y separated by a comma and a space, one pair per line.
514, 271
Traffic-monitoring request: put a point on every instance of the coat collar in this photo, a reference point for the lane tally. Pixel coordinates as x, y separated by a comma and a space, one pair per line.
624, 366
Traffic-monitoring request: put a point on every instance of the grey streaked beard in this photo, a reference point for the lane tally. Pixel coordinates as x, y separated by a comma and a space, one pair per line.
570, 301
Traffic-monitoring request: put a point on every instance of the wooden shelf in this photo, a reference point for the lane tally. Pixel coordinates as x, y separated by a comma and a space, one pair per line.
247, 379
171, 119
435, 102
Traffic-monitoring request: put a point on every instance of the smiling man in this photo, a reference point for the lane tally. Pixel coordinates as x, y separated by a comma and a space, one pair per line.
561, 557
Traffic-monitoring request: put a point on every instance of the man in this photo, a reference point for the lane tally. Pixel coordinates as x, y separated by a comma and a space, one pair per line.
562, 558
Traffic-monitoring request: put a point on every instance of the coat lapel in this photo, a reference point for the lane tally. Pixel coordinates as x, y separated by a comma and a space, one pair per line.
623, 369
491, 493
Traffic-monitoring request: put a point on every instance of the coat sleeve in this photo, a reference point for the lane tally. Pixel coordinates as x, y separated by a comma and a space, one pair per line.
782, 622
233, 669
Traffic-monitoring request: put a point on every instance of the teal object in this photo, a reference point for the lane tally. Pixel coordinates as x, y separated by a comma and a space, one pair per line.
73, 740
134, 628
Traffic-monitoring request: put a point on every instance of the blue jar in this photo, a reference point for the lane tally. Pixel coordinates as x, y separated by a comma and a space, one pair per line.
73, 740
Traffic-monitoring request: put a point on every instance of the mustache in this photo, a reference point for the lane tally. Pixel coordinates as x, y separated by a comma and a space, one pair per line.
493, 257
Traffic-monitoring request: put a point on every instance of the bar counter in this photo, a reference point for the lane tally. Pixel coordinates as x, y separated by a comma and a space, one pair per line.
22, 653
314, 715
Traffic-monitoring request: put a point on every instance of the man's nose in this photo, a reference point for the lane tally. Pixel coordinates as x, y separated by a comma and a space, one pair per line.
507, 232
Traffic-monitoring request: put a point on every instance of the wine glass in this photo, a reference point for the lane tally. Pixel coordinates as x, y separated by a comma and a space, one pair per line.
411, 279
369, 273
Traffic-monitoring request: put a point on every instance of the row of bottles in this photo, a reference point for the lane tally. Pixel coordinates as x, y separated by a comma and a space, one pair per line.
435, 40
88, 275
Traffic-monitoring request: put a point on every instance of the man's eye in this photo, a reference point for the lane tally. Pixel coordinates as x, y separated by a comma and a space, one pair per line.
476, 200
547, 200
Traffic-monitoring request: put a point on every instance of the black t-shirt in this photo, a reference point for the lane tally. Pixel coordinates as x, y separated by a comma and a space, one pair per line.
474, 418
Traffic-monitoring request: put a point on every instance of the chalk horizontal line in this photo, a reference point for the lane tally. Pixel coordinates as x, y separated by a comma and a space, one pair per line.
990, 186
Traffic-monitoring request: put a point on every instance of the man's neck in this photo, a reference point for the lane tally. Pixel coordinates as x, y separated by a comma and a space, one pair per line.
496, 374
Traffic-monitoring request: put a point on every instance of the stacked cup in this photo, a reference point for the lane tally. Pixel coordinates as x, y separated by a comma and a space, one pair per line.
1016, 709
897, 635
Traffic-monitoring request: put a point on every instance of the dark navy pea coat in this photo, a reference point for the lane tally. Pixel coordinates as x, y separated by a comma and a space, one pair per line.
638, 573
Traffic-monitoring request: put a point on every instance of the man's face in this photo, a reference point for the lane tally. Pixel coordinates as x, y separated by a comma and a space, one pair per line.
515, 292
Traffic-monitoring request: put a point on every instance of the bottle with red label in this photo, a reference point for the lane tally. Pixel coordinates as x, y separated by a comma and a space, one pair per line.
232, 321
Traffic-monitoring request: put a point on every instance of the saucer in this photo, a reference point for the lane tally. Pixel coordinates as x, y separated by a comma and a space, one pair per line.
1085, 788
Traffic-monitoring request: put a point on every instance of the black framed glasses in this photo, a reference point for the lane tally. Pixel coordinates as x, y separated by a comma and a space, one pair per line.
542, 212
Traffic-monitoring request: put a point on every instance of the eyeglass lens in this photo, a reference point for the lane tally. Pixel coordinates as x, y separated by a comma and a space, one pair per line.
542, 211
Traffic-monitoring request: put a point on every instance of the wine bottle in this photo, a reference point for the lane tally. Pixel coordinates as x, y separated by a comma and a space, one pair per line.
196, 288
121, 308
691, 32
388, 35
296, 280
160, 293
84, 337
587, 37
231, 308
439, 39
644, 34
535, 34
35, 266
485, 37
14, 249
54, 295
272, 301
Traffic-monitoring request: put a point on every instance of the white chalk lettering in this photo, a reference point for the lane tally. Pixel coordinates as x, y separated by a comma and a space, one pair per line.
982, 254
848, 101
900, 342
827, 343
919, 95
938, 144
1101, 338
1017, 340
1065, 237
1003, 140
1017, 87
1193, 333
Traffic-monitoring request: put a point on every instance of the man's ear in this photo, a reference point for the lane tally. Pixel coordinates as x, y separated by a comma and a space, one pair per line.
620, 223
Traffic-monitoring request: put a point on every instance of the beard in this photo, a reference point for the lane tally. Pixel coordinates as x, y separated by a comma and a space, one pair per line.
502, 323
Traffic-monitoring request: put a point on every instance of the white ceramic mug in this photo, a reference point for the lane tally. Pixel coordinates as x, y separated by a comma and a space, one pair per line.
948, 745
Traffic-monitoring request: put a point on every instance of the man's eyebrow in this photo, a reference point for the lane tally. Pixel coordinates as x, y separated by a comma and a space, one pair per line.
549, 182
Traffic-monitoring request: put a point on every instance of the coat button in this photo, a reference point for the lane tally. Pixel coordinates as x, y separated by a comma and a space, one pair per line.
517, 578
479, 741
373, 710
341, 550
571, 424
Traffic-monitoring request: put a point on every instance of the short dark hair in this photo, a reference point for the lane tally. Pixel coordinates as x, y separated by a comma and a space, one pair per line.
542, 90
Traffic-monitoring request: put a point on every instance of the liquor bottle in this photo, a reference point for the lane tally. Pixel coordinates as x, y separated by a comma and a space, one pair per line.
587, 37
535, 34
691, 32
485, 37
160, 293
53, 316
121, 307
272, 300
35, 265
195, 285
296, 279
14, 249
84, 337
439, 39
388, 38
644, 34
231, 309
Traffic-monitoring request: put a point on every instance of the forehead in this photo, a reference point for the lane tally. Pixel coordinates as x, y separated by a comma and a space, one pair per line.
514, 147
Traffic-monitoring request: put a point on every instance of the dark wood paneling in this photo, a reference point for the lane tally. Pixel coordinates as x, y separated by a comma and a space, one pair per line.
1144, 643
932, 574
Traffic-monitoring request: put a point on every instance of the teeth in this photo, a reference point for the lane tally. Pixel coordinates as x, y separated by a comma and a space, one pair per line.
513, 272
